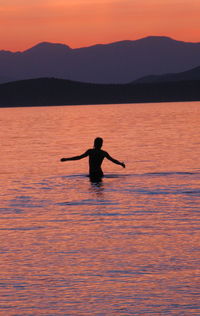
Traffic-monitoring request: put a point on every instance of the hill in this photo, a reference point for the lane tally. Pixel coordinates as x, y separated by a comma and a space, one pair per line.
192, 74
119, 62
51, 91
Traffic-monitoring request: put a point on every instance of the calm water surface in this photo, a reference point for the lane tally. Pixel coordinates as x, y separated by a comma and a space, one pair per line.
127, 246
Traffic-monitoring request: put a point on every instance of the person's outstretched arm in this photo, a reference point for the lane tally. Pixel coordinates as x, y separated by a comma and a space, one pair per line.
76, 157
115, 160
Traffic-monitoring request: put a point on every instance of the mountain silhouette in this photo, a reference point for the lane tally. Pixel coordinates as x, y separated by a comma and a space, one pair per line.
48, 48
51, 91
192, 74
119, 62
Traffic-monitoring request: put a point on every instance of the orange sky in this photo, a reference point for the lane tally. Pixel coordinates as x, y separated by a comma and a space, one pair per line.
77, 23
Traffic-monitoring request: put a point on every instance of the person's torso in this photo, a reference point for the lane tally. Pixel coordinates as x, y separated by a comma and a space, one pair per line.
96, 157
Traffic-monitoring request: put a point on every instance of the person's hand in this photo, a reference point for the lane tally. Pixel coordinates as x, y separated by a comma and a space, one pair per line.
123, 165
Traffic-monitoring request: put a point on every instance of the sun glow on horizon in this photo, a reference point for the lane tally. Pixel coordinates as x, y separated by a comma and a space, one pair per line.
79, 23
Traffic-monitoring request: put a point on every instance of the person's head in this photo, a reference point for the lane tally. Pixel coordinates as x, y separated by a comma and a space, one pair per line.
98, 142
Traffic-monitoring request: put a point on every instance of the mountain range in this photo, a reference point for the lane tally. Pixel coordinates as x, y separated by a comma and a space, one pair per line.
114, 63
51, 91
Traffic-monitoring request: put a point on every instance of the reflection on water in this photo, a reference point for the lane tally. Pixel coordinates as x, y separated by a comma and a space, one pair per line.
128, 245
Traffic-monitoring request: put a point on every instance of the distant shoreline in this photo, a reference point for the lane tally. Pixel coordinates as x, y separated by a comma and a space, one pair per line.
57, 92
92, 104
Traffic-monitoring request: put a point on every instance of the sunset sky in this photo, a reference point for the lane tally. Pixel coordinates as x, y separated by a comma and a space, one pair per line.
78, 23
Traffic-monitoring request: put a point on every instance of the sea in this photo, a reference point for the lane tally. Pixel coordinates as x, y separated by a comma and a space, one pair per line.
129, 245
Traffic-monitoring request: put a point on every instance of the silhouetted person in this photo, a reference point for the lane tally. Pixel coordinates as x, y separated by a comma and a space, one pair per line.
96, 157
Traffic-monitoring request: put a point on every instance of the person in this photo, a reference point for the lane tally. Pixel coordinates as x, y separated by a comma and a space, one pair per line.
96, 157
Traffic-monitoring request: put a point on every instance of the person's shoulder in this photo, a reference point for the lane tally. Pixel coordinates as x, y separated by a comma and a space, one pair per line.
104, 152
88, 151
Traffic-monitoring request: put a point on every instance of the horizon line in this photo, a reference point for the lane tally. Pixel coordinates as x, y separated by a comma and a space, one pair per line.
98, 44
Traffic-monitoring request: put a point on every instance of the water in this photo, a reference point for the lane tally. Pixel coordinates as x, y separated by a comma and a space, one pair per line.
126, 246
